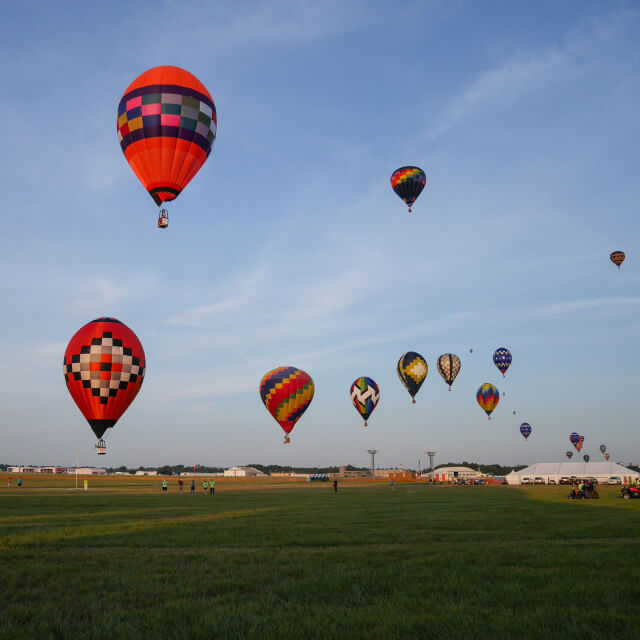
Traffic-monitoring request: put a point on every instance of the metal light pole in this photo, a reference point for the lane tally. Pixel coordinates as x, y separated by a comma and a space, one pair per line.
373, 458
431, 455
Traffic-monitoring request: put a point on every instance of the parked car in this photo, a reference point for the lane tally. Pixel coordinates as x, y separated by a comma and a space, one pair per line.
614, 480
526, 481
538, 480
564, 480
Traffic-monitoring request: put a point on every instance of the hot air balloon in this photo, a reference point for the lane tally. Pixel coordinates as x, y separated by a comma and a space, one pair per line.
412, 370
365, 396
502, 359
606, 456
408, 183
603, 448
104, 366
585, 457
470, 350
525, 430
514, 413
574, 438
448, 367
617, 257
569, 454
167, 125
579, 445
488, 397
287, 393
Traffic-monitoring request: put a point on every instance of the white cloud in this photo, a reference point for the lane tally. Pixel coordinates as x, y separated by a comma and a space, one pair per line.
584, 305
529, 73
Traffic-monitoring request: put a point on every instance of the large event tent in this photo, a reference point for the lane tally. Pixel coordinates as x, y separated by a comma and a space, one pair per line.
553, 471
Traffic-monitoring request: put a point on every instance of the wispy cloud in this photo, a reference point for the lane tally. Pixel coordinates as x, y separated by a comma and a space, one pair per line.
585, 305
528, 73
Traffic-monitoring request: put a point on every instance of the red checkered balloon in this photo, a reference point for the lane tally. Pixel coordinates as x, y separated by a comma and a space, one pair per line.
104, 366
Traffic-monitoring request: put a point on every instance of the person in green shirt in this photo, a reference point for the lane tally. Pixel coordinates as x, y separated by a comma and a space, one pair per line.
205, 486
212, 487
164, 486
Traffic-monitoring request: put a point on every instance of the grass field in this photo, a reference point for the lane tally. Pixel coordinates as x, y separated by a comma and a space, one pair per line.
290, 560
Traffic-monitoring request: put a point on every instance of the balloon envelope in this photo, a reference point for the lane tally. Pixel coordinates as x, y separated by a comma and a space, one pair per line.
525, 429
448, 367
603, 448
365, 395
488, 397
412, 370
502, 359
286, 393
617, 257
167, 124
408, 183
569, 454
104, 366
585, 458
574, 438
606, 456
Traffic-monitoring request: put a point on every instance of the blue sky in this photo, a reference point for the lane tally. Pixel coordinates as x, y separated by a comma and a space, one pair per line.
290, 248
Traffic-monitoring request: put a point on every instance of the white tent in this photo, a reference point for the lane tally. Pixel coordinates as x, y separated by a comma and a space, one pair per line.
553, 471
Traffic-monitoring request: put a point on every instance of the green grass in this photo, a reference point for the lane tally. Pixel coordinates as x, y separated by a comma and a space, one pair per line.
301, 562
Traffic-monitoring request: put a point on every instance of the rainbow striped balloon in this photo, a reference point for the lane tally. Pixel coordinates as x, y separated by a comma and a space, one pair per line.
488, 397
287, 393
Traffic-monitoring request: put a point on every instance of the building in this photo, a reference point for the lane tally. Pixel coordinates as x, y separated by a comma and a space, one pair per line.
244, 472
449, 474
142, 472
552, 472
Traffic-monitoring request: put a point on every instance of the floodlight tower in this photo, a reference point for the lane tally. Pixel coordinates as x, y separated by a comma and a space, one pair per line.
373, 459
431, 455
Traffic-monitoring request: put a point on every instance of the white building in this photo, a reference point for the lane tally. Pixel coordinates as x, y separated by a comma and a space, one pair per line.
141, 472
553, 471
244, 472
449, 474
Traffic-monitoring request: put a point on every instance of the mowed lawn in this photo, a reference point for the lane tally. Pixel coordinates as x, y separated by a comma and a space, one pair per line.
298, 561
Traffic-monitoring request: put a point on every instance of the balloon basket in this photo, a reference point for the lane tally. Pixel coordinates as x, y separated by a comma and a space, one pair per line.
101, 448
414, 401
163, 219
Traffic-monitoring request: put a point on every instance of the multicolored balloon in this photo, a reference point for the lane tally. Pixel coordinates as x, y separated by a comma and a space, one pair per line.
606, 456
167, 124
585, 457
603, 448
617, 257
569, 454
580, 444
502, 359
574, 438
287, 393
408, 183
448, 366
412, 370
488, 397
525, 430
365, 396
104, 366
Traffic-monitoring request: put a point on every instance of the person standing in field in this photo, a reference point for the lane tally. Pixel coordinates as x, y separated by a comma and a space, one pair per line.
9, 482
180, 483
164, 486
19, 482
193, 486
392, 484
205, 486
86, 485
212, 487
335, 486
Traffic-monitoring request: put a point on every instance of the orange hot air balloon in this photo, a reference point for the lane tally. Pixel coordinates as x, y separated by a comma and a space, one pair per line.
104, 366
617, 257
167, 125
